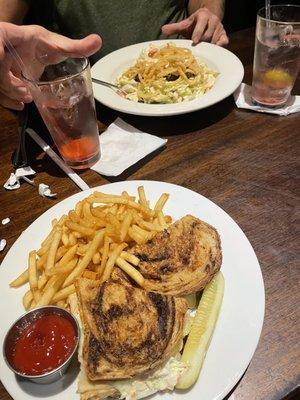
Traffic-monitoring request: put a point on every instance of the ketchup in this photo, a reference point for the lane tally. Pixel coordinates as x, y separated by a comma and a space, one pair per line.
43, 345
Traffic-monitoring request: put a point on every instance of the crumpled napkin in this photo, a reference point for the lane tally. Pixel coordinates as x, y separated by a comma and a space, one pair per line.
45, 191
242, 97
13, 182
122, 145
2, 244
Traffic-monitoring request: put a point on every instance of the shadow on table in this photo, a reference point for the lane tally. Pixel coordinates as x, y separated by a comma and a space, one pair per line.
171, 125
40, 391
160, 126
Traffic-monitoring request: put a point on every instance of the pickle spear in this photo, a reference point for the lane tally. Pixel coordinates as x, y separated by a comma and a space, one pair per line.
202, 330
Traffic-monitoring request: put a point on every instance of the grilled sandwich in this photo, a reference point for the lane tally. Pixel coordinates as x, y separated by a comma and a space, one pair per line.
181, 259
128, 332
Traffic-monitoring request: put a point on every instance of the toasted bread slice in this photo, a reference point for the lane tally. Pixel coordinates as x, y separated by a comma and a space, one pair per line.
182, 259
127, 330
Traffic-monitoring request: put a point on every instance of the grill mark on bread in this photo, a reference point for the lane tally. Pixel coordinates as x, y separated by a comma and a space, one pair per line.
176, 260
160, 257
94, 352
128, 331
163, 311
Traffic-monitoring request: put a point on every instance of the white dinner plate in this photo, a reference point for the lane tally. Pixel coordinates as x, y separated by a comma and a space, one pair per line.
230, 68
241, 317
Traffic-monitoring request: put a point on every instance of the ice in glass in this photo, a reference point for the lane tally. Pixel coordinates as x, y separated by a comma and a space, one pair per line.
64, 98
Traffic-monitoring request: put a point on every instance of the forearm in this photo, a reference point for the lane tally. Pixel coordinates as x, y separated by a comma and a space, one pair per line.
215, 6
13, 11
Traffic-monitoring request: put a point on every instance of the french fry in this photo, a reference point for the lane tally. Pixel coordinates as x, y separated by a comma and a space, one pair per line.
44, 249
56, 270
125, 225
53, 250
41, 261
150, 226
77, 235
124, 200
78, 228
54, 222
92, 220
161, 202
62, 220
60, 303
24, 276
98, 212
90, 275
111, 261
42, 280
72, 239
135, 236
142, 196
60, 252
73, 303
50, 290
32, 271
49, 237
105, 252
131, 271
84, 262
161, 219
130, 258
68, 256
96, 258
142, 232
65, 239
27, 299
78, 208
63, 294
36, 295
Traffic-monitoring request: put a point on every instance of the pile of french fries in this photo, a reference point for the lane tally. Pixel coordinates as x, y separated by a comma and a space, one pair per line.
90, 241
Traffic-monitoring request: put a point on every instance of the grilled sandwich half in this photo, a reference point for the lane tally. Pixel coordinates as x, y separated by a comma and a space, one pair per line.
181, 259
128, 332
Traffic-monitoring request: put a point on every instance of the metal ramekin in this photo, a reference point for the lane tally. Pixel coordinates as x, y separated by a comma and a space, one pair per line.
25, 320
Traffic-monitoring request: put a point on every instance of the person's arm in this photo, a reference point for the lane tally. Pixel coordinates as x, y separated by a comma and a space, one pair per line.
203, 24
215, 6
37, 47
13, 11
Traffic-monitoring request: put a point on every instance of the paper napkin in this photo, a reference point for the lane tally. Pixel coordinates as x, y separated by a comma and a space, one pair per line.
122, 145
242, 97
13, 182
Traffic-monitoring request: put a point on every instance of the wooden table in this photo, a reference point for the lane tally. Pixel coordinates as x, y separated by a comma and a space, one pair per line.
244, 161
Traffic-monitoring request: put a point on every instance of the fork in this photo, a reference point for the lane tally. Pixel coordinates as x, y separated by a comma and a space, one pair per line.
111, 85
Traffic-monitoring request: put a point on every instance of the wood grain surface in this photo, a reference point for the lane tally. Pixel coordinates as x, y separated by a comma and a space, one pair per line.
246, 162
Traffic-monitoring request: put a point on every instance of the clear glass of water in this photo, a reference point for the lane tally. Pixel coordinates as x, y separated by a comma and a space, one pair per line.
64, 97
276, 56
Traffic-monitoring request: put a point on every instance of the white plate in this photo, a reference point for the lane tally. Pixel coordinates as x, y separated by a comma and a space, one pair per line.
230, 68
240, 320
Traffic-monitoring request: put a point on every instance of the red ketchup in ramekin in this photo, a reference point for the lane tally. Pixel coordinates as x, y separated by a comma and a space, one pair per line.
44, 345
40, 344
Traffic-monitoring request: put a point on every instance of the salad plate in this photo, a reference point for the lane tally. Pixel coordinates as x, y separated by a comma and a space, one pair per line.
227, 65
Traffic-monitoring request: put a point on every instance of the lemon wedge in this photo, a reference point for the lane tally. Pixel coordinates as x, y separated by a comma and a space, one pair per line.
201, 332
278, 78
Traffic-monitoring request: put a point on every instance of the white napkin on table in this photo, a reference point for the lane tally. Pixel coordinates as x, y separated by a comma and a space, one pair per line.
242, 97
122, 145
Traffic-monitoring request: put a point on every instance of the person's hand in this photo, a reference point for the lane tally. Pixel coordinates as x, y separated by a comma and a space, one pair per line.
202, 25
37, 48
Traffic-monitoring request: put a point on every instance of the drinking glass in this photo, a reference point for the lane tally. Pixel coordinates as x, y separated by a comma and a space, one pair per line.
276, 55
64, 97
